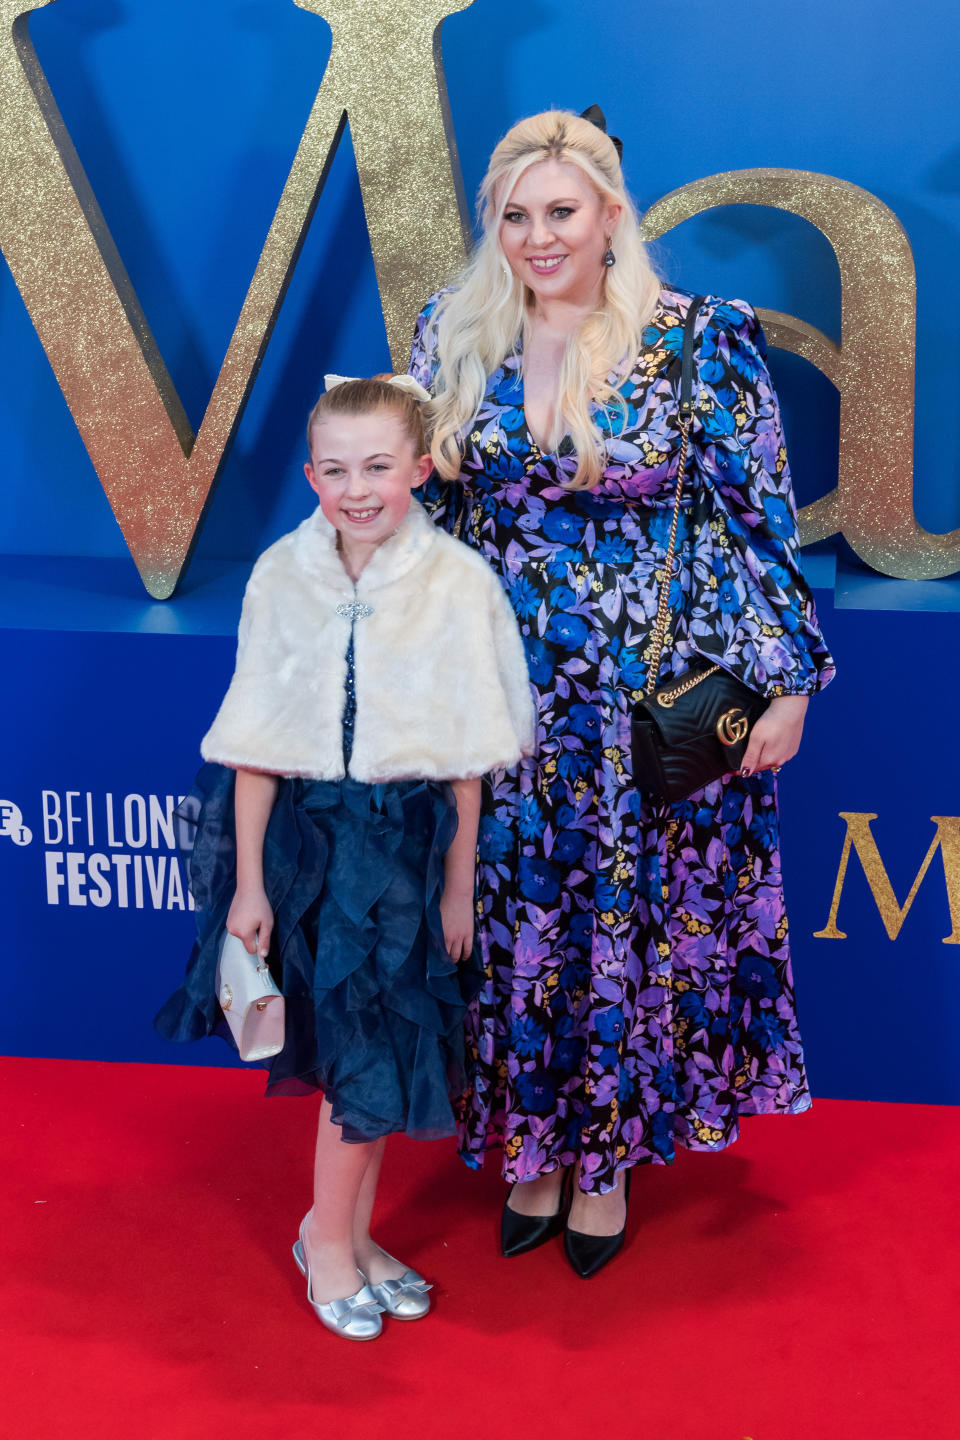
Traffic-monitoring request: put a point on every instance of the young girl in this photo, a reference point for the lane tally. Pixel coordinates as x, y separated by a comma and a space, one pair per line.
378, 659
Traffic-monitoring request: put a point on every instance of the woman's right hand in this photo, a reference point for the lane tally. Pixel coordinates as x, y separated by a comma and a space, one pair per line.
251, 920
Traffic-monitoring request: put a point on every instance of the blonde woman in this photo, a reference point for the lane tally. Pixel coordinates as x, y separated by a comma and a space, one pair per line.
638, 991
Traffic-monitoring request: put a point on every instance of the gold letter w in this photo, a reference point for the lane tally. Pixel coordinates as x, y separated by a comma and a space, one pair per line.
860, 837
384, 71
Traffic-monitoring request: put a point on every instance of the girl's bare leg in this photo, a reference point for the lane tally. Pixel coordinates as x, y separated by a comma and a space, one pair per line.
338, 1176
375, 1263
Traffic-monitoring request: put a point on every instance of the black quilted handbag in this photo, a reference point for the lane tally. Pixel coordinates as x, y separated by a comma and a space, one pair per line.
696, 727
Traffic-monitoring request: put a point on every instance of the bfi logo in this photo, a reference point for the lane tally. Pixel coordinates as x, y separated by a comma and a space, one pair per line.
11, 824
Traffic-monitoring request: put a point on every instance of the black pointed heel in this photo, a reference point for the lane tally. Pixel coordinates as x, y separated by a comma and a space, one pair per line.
589, 1253
520, 1233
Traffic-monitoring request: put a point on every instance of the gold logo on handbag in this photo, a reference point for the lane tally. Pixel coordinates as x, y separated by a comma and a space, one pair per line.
732, 727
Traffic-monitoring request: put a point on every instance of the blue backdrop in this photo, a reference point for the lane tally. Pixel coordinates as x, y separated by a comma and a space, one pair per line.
186, 118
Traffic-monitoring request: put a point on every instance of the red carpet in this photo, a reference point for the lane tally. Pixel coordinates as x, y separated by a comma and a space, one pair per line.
801, 1286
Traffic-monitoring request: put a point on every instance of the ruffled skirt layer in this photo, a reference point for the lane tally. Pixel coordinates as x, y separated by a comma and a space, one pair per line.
374, 1005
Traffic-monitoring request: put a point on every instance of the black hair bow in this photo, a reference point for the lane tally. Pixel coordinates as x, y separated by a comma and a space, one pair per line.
596, 117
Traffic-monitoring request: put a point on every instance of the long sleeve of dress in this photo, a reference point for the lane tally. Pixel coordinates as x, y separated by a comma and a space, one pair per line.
443, 500
750, 607
423, 351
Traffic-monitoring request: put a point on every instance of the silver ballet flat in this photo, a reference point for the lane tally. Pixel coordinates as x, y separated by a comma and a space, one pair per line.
404, 1299
356, 1318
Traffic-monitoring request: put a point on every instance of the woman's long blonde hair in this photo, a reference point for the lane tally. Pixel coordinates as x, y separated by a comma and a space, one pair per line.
478, 322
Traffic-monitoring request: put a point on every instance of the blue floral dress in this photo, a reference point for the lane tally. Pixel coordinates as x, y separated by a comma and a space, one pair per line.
638, 990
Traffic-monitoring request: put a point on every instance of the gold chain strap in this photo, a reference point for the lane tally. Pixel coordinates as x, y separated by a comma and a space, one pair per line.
663, 604
667, 698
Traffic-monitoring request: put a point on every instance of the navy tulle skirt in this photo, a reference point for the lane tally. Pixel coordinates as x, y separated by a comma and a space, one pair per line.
374, 1005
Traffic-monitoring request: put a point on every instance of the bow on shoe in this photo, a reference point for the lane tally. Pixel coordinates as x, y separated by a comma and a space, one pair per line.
404, 1299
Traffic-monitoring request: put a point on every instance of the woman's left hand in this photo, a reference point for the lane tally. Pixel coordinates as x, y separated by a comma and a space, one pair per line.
775, 738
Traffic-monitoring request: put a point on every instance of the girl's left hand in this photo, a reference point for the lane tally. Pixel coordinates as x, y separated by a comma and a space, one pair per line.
775, 738
456, 913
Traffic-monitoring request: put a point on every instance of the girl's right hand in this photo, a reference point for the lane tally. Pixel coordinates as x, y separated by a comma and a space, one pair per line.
251, 920
456, 915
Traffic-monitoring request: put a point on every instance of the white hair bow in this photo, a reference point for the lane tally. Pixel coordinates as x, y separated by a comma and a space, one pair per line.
402, 382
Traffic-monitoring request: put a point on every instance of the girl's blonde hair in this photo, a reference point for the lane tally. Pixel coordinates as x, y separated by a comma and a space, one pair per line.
477, 324
366, 397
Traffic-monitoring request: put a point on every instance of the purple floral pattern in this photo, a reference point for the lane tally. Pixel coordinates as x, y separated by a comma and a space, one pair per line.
638, 990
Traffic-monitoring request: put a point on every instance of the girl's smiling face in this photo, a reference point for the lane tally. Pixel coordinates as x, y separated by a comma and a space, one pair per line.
363, 468
554, 229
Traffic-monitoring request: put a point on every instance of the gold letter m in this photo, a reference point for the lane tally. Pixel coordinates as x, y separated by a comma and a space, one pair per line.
860, 837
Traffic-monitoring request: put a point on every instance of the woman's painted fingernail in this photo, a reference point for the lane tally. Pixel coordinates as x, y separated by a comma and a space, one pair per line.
746, 771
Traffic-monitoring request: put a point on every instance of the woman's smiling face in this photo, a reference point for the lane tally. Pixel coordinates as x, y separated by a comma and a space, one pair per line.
554, 230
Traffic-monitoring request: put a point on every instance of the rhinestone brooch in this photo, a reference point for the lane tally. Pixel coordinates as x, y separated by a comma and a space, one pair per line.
354, 610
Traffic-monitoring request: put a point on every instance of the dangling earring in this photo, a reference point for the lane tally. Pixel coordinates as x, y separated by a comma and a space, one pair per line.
609, 257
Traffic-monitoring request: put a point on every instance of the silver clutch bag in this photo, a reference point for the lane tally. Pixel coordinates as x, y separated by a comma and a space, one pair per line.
251, 1003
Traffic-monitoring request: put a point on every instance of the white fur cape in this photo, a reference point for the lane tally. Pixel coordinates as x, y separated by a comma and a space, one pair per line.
441, 678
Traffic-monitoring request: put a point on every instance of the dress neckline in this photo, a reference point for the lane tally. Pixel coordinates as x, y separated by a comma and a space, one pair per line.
617, 377
536, 452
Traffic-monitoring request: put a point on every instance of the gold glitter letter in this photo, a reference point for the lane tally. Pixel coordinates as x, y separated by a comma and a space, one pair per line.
384, 71
873, 368
860, 837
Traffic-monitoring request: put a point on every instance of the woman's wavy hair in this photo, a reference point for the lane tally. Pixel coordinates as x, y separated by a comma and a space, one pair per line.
477, 323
